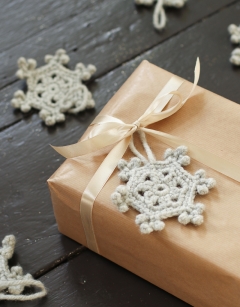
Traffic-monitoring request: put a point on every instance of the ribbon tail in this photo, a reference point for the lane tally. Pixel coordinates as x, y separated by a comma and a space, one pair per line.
209, 159
95, 143
94, 187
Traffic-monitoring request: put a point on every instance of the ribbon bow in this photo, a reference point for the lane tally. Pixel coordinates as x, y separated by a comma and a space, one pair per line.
109, 130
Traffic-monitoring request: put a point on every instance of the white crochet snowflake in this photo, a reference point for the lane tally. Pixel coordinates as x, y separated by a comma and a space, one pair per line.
7, 276
12, 281
161, 189
53, 88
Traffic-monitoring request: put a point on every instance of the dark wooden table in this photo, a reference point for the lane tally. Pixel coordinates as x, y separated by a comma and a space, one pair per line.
115, 36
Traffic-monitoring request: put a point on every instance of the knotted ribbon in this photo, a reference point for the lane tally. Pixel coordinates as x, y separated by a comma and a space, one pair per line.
109, 130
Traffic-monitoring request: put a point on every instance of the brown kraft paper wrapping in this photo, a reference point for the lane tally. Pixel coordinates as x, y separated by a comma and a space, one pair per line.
200, 265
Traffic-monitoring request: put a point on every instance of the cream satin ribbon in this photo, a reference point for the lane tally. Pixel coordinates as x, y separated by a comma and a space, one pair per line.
108, 130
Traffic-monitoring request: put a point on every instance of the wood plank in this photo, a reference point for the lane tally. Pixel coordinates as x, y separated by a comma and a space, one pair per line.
22, 19
106, 34
27, 160
98, 283
25, 203
25, 206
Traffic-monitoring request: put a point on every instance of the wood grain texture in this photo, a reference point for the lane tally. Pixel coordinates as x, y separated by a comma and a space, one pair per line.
99, 283
106, 33
27, 159
24, 18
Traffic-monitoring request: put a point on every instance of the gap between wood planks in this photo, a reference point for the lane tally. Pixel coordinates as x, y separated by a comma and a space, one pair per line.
65, 258
10, 125
144, 50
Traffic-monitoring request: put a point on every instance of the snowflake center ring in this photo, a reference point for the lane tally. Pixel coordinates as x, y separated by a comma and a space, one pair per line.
161, 189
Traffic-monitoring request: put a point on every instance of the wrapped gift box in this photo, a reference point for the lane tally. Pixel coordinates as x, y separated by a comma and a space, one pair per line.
198, 264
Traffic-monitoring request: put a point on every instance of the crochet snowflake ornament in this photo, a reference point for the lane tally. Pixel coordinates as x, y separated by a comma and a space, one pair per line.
12, 281
161, 189
53, 88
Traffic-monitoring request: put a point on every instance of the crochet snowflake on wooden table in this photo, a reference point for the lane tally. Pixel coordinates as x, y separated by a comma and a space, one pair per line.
53, 88
12, 281
161, 189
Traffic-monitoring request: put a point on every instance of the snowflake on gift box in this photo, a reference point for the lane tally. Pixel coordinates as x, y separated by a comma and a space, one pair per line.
161, 189
53, 89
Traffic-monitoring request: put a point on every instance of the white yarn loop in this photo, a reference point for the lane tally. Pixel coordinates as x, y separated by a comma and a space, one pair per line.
22, 283
136, 152
159, 15
12, 281
147, 148
150, 155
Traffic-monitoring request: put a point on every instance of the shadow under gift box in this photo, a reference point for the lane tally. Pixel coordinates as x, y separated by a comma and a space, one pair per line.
198, 264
